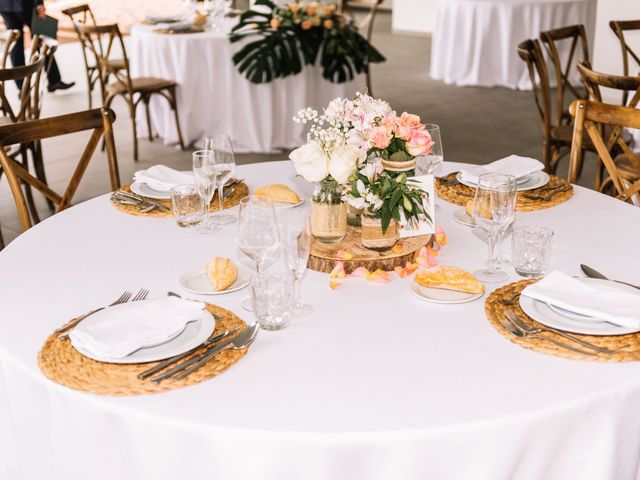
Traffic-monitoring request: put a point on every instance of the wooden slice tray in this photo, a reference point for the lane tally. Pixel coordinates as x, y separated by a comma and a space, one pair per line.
324, 256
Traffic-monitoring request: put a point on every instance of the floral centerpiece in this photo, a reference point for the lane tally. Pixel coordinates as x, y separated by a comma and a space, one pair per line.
340, 140
297, 34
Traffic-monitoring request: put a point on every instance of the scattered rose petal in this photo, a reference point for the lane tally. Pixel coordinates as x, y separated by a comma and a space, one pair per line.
337, 275
398, 248
361, 272
379, 276
441, 237
344, 255
408, 269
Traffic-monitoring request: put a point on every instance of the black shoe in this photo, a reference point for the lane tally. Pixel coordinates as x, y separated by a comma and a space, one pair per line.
52, 87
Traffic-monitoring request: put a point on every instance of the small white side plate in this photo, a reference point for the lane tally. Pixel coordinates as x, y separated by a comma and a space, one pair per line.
197, 281
281, 205
146, 191
556, 318
461, 216
193, 335
440, 295
535, 180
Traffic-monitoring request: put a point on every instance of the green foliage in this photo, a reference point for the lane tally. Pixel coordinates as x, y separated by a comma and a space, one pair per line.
283, 51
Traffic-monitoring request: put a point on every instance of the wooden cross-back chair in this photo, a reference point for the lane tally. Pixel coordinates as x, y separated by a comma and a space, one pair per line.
619, 27
556, 137
83, 15
594, 118
9, 37
557, 42
365, 25
98, 120
616, 142
143, 88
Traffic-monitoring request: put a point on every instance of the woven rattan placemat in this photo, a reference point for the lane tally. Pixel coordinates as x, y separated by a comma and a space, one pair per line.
626, 347
460, 194
63, 364
240, 191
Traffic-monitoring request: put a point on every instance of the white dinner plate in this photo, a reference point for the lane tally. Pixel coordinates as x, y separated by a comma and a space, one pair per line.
461, 216
145, 190
535, 180
440, 295
193, 335
281, 205
571, 322
197, 281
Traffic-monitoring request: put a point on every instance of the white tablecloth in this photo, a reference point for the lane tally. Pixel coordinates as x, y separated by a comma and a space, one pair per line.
214, 98
375, 385
475, 41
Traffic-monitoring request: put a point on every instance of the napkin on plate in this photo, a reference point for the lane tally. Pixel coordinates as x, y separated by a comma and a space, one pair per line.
162, 18
512, 165
162, 178
617, 307
145, 323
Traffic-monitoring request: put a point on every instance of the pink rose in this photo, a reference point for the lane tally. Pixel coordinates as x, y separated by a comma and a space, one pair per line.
407, 124
380, 137
419, 144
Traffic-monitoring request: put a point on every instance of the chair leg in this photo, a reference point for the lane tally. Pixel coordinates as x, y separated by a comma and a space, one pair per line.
146, 99
28, 192
134, 128
174, 106
547, 156
1, 240
38, 166
367, 73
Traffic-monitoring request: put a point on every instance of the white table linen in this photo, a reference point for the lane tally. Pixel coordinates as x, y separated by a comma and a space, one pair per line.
475, 41
375, 384
214, 98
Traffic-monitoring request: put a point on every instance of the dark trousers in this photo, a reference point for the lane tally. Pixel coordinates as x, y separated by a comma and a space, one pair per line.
17, 21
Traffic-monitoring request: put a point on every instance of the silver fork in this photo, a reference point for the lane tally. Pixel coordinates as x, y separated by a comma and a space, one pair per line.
515, 318
141, 295
123, 298
518, 332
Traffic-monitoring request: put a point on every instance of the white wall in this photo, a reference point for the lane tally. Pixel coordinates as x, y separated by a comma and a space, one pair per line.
414, 16
607, 54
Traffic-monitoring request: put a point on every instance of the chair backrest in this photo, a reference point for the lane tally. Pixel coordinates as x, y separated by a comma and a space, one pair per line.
366, 24
82, 14
30, 75
102, 41
9, 37
594, 81
595, 118
564, 42
531, 53
619, 27
98, 120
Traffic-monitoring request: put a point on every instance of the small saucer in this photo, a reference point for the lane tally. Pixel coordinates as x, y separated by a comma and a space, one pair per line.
441, 295
461, 216
197, 281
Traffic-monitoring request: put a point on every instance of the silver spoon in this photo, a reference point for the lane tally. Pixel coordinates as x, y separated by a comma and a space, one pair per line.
516, 331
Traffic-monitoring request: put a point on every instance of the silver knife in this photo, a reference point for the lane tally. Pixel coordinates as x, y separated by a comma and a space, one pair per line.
142, 199
591, 273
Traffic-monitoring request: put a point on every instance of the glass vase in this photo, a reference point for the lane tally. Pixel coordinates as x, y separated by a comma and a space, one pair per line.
328, 212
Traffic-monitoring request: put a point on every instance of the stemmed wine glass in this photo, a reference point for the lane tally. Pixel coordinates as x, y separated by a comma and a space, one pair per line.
296, 242
427, 164
493, 212
225, 163
204, 172
258, 234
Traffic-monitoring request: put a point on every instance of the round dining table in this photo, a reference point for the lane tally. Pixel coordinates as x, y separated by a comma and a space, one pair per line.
213, 97
375, 384
475, 41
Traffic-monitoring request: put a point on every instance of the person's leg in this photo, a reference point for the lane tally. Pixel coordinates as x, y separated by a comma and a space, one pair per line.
14, 22
53, 72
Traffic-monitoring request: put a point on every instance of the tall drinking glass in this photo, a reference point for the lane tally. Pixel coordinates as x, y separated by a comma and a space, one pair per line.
204, 172
225, 164
258, 234
493, 212
296, 242
427, 164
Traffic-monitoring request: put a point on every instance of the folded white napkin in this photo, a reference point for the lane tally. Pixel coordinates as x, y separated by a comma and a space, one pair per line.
617, 307
162, 178
511, 165
162, 18
144, 323
176, 26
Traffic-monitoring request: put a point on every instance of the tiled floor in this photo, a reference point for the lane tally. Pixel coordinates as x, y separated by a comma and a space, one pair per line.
478, 124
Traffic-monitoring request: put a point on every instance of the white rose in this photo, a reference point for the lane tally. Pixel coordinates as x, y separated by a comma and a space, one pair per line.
311, 162
344, 161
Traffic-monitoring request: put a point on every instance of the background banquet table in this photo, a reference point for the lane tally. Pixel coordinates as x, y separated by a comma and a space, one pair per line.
375, 384
214, 98
474, 41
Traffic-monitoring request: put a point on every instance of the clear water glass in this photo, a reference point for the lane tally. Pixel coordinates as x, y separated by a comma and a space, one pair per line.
225, 163
531, 250
493, 211
273, 298
204, 172
427, 164
186, 205
296, 241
